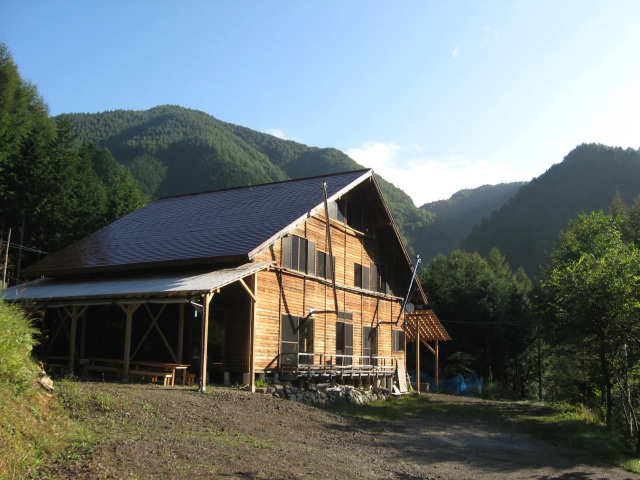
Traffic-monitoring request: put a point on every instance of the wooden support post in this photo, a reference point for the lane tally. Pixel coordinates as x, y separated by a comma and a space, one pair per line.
437, 368
206, 300
252, 363
418, 355
74, 314
129, 310
72, 339
83, 336
180, 332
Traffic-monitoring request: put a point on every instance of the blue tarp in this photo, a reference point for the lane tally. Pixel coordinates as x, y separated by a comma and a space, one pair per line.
458, 385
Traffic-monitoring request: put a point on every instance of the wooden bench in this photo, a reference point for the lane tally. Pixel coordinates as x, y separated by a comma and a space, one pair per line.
104, 365
154, 376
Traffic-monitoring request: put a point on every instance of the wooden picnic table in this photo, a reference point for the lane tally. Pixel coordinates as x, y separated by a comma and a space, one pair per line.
139, 367
171, 368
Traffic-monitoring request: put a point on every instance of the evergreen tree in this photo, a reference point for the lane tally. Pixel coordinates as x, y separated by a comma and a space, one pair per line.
52, 192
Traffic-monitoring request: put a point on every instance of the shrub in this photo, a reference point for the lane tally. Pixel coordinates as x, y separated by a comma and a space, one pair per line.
17, 339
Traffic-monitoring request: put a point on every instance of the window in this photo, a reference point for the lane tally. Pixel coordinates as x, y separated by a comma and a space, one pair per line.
336, 210
381, 276
323, 265
369, 344
361, 276
344, 342
355, 218
296, 337
349, 213
298, 254
398, 340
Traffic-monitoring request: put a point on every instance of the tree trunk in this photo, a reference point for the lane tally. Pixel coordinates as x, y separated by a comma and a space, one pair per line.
606, 381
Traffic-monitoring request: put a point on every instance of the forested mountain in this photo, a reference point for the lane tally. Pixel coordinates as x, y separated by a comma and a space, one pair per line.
172, 150
528, 225
455, 217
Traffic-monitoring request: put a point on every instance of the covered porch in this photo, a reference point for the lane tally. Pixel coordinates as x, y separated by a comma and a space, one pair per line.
156, 325
423, 327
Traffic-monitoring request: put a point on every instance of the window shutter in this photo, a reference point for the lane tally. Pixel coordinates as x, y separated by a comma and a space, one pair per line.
374, 277
357, 275
286, 252
311, 257
388, 282
330, 264
348, 339
374, 342
366, 341
365, 277
333, 211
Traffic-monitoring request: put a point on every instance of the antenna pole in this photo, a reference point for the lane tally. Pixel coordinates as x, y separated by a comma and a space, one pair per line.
331, 262
406, 299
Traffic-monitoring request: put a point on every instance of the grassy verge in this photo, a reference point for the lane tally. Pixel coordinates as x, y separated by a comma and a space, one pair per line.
34, 425
556, 424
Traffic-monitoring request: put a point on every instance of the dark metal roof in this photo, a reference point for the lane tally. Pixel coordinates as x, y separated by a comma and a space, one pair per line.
224, 225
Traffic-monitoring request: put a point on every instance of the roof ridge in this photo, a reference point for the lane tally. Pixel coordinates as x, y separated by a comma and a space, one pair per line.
240, 187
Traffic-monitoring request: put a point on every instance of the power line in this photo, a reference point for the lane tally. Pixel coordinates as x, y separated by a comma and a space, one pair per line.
22, 247
490, 323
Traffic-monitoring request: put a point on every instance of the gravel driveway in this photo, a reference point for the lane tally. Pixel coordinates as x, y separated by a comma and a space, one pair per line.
166, 433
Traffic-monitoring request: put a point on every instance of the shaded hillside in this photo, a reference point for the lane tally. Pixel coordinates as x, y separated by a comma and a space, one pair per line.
528, 225
455, 217
172, 150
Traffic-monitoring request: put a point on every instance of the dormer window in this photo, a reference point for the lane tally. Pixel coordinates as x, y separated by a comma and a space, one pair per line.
348, 212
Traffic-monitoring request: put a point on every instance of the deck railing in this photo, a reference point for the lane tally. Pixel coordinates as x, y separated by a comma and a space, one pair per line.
318, 364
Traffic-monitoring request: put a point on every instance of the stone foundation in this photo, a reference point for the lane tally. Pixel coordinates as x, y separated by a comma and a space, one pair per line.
327, 393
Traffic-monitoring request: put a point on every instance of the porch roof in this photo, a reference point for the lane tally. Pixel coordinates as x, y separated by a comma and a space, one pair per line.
110, 290
428, 324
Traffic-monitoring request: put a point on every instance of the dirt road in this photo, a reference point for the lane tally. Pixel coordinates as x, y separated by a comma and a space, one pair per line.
167, 433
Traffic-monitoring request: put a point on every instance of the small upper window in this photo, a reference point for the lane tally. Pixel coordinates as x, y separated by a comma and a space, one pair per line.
298, 254
336, 210
323, 265
381, 278
398, 340
355, 217
361, 276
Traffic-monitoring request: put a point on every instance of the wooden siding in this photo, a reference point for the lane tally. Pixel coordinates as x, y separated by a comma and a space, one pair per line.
284, 291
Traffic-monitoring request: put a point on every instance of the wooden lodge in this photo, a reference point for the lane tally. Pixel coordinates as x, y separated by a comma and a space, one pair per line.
303, 278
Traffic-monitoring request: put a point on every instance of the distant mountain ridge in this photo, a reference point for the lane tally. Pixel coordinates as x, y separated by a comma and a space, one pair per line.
455, 217
527, 226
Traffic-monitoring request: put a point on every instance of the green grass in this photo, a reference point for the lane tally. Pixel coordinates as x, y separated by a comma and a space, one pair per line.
33, 426
557, 424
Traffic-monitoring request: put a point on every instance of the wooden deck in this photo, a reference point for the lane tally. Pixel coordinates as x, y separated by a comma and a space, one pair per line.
350, 366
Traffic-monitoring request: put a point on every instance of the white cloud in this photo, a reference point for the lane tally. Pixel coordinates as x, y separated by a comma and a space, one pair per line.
455, 53
276, 133
376, 155
427, 179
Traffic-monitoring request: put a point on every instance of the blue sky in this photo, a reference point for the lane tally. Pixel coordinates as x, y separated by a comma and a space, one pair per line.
435, 96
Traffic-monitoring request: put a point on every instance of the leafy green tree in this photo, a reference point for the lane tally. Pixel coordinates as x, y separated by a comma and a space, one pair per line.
484, 307
590, 301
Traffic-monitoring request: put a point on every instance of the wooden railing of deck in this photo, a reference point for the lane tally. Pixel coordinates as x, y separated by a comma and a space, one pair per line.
315, 364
